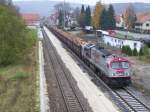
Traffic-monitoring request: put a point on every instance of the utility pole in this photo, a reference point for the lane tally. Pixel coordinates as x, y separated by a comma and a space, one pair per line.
64, 14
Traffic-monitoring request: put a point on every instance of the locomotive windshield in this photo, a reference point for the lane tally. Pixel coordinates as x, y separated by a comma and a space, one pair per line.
123, 64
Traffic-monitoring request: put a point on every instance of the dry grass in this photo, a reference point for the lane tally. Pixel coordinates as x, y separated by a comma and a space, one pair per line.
18, 88
141, 88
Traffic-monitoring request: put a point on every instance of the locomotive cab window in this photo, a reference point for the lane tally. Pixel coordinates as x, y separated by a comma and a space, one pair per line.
116, 65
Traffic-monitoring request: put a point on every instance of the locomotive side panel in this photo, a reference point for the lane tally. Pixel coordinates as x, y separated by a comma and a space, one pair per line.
99, 60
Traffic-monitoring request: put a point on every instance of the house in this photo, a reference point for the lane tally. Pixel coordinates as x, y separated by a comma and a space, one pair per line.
119, 21
32, 20
143, 22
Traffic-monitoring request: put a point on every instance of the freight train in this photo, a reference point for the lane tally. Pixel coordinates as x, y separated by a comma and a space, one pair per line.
114, 70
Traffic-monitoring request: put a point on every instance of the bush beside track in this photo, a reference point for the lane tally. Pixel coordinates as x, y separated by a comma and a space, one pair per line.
18, 63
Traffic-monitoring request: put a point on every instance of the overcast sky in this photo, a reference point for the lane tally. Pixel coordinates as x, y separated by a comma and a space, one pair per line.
92, 2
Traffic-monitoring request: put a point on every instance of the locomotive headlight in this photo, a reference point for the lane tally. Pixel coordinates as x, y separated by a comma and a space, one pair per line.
113, 74
127, 74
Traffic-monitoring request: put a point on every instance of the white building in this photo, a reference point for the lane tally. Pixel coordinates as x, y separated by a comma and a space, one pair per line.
117, 42
143, 22
114, 41
119, 22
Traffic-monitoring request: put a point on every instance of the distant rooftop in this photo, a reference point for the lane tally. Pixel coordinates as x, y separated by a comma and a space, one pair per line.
30, 18
143, 17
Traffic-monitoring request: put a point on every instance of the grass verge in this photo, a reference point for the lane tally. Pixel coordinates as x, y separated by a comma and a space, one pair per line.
18, 87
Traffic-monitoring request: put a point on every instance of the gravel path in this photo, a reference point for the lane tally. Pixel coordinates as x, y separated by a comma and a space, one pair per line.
44, 100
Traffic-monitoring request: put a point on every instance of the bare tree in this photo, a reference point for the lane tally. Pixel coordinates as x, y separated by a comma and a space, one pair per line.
64, 7
130, 17
58, 7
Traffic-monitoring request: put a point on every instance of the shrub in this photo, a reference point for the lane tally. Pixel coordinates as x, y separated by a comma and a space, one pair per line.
146, 50
123, 49
141, 52
15, 39
12, 36
128, 50
31, 36
135, 53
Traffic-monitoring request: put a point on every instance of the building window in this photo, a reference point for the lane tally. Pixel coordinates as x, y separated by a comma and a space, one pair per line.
147, 25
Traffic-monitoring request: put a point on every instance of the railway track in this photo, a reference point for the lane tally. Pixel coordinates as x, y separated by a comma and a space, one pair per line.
122, 97
71, 99
130, 101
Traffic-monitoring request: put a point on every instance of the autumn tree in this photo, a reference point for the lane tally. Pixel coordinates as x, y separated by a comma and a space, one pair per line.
97, 15
130, 17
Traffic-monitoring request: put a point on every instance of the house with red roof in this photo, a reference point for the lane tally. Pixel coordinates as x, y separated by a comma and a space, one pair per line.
143, 22
32, 20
